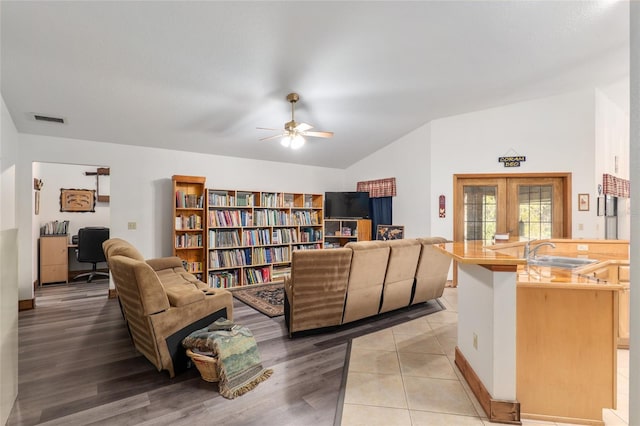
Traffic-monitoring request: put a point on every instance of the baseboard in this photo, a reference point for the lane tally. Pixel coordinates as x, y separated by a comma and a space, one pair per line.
497, 411
113, 293
26, 304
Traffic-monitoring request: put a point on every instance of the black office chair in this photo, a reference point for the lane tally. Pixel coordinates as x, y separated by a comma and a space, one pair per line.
90, 241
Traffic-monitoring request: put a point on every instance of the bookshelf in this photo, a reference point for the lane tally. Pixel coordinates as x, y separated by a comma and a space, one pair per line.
338, 232
189, 236
251, 234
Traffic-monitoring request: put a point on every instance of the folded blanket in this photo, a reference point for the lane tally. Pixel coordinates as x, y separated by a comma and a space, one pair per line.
239, 365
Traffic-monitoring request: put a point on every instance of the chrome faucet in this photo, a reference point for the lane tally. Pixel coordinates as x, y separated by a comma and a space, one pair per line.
527, 247
533, 253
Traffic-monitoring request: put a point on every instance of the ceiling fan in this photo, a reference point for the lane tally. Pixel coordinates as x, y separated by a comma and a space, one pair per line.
294, 132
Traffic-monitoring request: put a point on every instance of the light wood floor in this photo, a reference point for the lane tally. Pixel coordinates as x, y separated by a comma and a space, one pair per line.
77, 366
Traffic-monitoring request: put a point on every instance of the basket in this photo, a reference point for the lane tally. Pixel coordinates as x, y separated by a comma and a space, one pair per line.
207, 365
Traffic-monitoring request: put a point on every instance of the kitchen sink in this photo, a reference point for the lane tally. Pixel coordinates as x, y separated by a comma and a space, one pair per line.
560, 261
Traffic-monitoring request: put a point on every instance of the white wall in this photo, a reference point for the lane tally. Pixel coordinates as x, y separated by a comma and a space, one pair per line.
612, 149
8, 265
556, 134
141, 189
407, 160
70, 176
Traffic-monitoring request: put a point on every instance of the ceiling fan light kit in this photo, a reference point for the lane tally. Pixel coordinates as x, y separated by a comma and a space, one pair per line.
294, 132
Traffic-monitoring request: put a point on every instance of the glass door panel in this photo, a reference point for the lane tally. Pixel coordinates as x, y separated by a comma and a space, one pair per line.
480, 212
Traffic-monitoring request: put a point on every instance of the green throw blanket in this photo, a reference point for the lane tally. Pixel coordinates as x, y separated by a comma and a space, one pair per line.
239, 365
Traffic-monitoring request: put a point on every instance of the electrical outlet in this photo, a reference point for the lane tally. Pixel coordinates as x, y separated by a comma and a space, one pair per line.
580, 227
131, 225
475, 341
583, 247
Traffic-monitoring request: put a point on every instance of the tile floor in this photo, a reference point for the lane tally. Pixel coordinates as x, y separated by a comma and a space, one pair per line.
406, 375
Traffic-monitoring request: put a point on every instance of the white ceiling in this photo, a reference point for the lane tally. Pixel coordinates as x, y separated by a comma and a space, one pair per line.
201, 76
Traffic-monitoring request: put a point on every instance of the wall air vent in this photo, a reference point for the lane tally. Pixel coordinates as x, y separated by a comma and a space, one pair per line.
39, 117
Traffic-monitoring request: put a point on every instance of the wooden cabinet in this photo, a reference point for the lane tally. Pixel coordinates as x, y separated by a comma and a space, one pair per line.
188, 222
54, 260
338, 232
251, 234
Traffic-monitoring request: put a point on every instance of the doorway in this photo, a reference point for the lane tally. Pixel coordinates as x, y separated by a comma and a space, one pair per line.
54, 223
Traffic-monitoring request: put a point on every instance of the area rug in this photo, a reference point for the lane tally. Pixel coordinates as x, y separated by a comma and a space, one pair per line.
239, 365
267, 298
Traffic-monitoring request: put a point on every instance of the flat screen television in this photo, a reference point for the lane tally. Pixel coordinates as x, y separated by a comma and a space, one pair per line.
346, 205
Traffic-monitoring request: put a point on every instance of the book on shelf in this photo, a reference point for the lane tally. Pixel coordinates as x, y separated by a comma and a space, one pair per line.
188, 241
55, 227
188, 201
224, 279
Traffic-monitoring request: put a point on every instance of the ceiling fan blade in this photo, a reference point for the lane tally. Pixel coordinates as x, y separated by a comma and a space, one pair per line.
318, 134
271, 137
303, 127
267, 128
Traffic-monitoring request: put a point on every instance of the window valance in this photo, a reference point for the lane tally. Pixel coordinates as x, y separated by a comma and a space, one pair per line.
378, 188
615, 186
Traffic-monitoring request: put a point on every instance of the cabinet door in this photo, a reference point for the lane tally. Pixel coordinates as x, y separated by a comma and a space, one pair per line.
53, 259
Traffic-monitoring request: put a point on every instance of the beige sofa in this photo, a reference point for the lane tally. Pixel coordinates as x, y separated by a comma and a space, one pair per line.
162, 303
336, 286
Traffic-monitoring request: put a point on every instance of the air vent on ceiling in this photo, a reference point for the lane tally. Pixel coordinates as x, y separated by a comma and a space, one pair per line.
39, 117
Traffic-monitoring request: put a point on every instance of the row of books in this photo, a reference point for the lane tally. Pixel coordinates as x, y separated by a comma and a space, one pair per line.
308, 247
192, 266
285, 236
254, 237
272, 218
305, 218
224, 279
279, 273
55, 227
189, 201
224, 199
229, 258
257, 275
230, 218
223, 238
263, 255
193, 221
310, 235
188, 240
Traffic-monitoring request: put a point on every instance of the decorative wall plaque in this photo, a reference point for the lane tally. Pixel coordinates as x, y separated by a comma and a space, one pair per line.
77, 200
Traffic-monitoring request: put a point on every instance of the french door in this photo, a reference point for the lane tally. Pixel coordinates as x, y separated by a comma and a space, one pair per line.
531, 206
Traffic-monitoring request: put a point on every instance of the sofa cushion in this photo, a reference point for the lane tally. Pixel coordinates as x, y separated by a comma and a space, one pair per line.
432, 272
401, 270
317, 287
366, 278
183, 294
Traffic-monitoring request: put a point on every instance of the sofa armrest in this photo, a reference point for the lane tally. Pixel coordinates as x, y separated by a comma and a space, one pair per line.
161, 263
288, 286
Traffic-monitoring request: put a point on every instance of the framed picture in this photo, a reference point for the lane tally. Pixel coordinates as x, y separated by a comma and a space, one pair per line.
583, 202
390, 232
77, 200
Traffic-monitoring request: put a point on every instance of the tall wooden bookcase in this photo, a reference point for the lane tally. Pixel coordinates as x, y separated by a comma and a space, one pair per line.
251, 234
189, 238
338, 232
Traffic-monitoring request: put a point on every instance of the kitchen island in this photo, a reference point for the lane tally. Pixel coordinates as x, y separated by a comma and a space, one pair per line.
536, 341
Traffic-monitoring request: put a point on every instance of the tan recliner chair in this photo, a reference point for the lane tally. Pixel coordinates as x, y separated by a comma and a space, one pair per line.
401, 270
368, 269
432, 272
316, 289
162, 303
